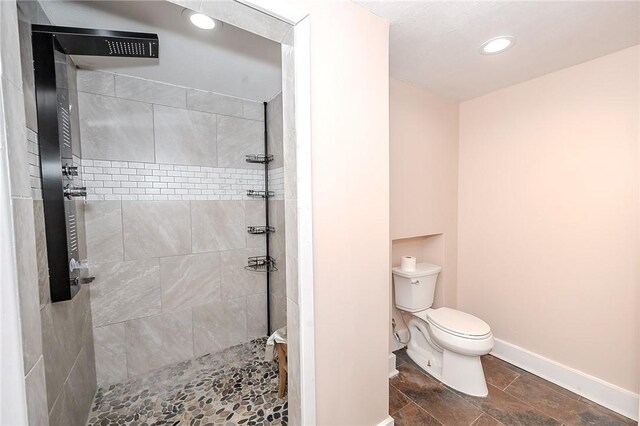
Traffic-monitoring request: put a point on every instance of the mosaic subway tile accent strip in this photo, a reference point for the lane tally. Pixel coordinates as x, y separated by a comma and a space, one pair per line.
276, 182
122, 180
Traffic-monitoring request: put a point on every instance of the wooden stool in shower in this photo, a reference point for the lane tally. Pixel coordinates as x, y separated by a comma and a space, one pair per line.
281, 350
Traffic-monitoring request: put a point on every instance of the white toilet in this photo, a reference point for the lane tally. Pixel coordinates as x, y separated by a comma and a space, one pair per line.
446, 343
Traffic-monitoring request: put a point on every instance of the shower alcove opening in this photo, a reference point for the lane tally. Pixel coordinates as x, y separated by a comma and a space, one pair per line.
187, 259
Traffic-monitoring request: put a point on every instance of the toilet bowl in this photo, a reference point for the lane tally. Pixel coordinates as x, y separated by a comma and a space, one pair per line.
445, 342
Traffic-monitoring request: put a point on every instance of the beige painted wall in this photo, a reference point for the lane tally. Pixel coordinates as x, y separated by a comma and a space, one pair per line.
548, 223
350, 151
424, 183
424, 163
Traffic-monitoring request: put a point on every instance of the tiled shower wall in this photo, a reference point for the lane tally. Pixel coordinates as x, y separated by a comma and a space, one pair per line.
14, 165
166, 221
61, 385
277, 289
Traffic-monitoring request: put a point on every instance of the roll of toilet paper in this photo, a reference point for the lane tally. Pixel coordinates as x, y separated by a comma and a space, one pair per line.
408, 263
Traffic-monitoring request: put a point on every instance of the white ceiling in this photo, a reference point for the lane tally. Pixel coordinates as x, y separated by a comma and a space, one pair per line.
435, 44
229, 61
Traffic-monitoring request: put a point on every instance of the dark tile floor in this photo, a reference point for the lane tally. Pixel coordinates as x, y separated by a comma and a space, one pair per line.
516, 397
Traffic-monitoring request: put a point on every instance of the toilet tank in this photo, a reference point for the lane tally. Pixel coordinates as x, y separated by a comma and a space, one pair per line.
414, 290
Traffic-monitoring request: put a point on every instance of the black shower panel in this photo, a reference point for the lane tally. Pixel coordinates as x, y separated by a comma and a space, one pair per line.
54, 136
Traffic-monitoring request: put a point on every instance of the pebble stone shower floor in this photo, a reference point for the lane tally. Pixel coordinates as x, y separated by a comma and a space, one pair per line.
233, 387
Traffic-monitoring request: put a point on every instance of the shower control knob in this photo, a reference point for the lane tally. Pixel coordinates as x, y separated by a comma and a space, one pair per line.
75, 265
68, 170
75, 191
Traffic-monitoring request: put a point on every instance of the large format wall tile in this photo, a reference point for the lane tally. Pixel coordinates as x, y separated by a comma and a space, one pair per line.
9, 42
25, 242
59, 415
156, 228
278, 278
277, 219
237, 281
13, 104
37, 410
212, 102
238, 137
100, 83
125, 290
254, 215
80, 387
256, 316
253, 110
278, 284
188, 281
274, 131
103, 223
158, 340
184, 137
278, 311
149, 91
26, 59
111, 359
219, 325
74, 401
64, 330
58, 359
87, 340
217, 225
115, 129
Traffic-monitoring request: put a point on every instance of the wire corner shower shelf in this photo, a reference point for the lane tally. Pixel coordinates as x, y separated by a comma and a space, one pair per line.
257, 230
259, 158
264, 263
254, 193
261, 264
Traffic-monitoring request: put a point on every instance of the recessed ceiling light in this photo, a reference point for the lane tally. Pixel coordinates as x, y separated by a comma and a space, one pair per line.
202, 21
497, 45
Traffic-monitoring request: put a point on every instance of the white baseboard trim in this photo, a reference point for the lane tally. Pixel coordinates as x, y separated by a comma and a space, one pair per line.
386, 422
606, 394
392, 366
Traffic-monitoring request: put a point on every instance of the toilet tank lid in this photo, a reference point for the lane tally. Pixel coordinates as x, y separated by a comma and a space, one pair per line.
422, 270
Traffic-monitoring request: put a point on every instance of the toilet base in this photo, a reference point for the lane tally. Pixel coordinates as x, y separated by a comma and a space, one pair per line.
461, 372
464, 373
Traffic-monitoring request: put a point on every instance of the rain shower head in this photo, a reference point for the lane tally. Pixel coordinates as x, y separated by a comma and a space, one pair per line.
93, 42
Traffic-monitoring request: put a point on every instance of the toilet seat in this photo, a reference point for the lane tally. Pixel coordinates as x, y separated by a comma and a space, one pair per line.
457, 323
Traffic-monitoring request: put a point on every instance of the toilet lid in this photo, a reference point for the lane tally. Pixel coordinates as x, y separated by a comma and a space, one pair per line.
458, 323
